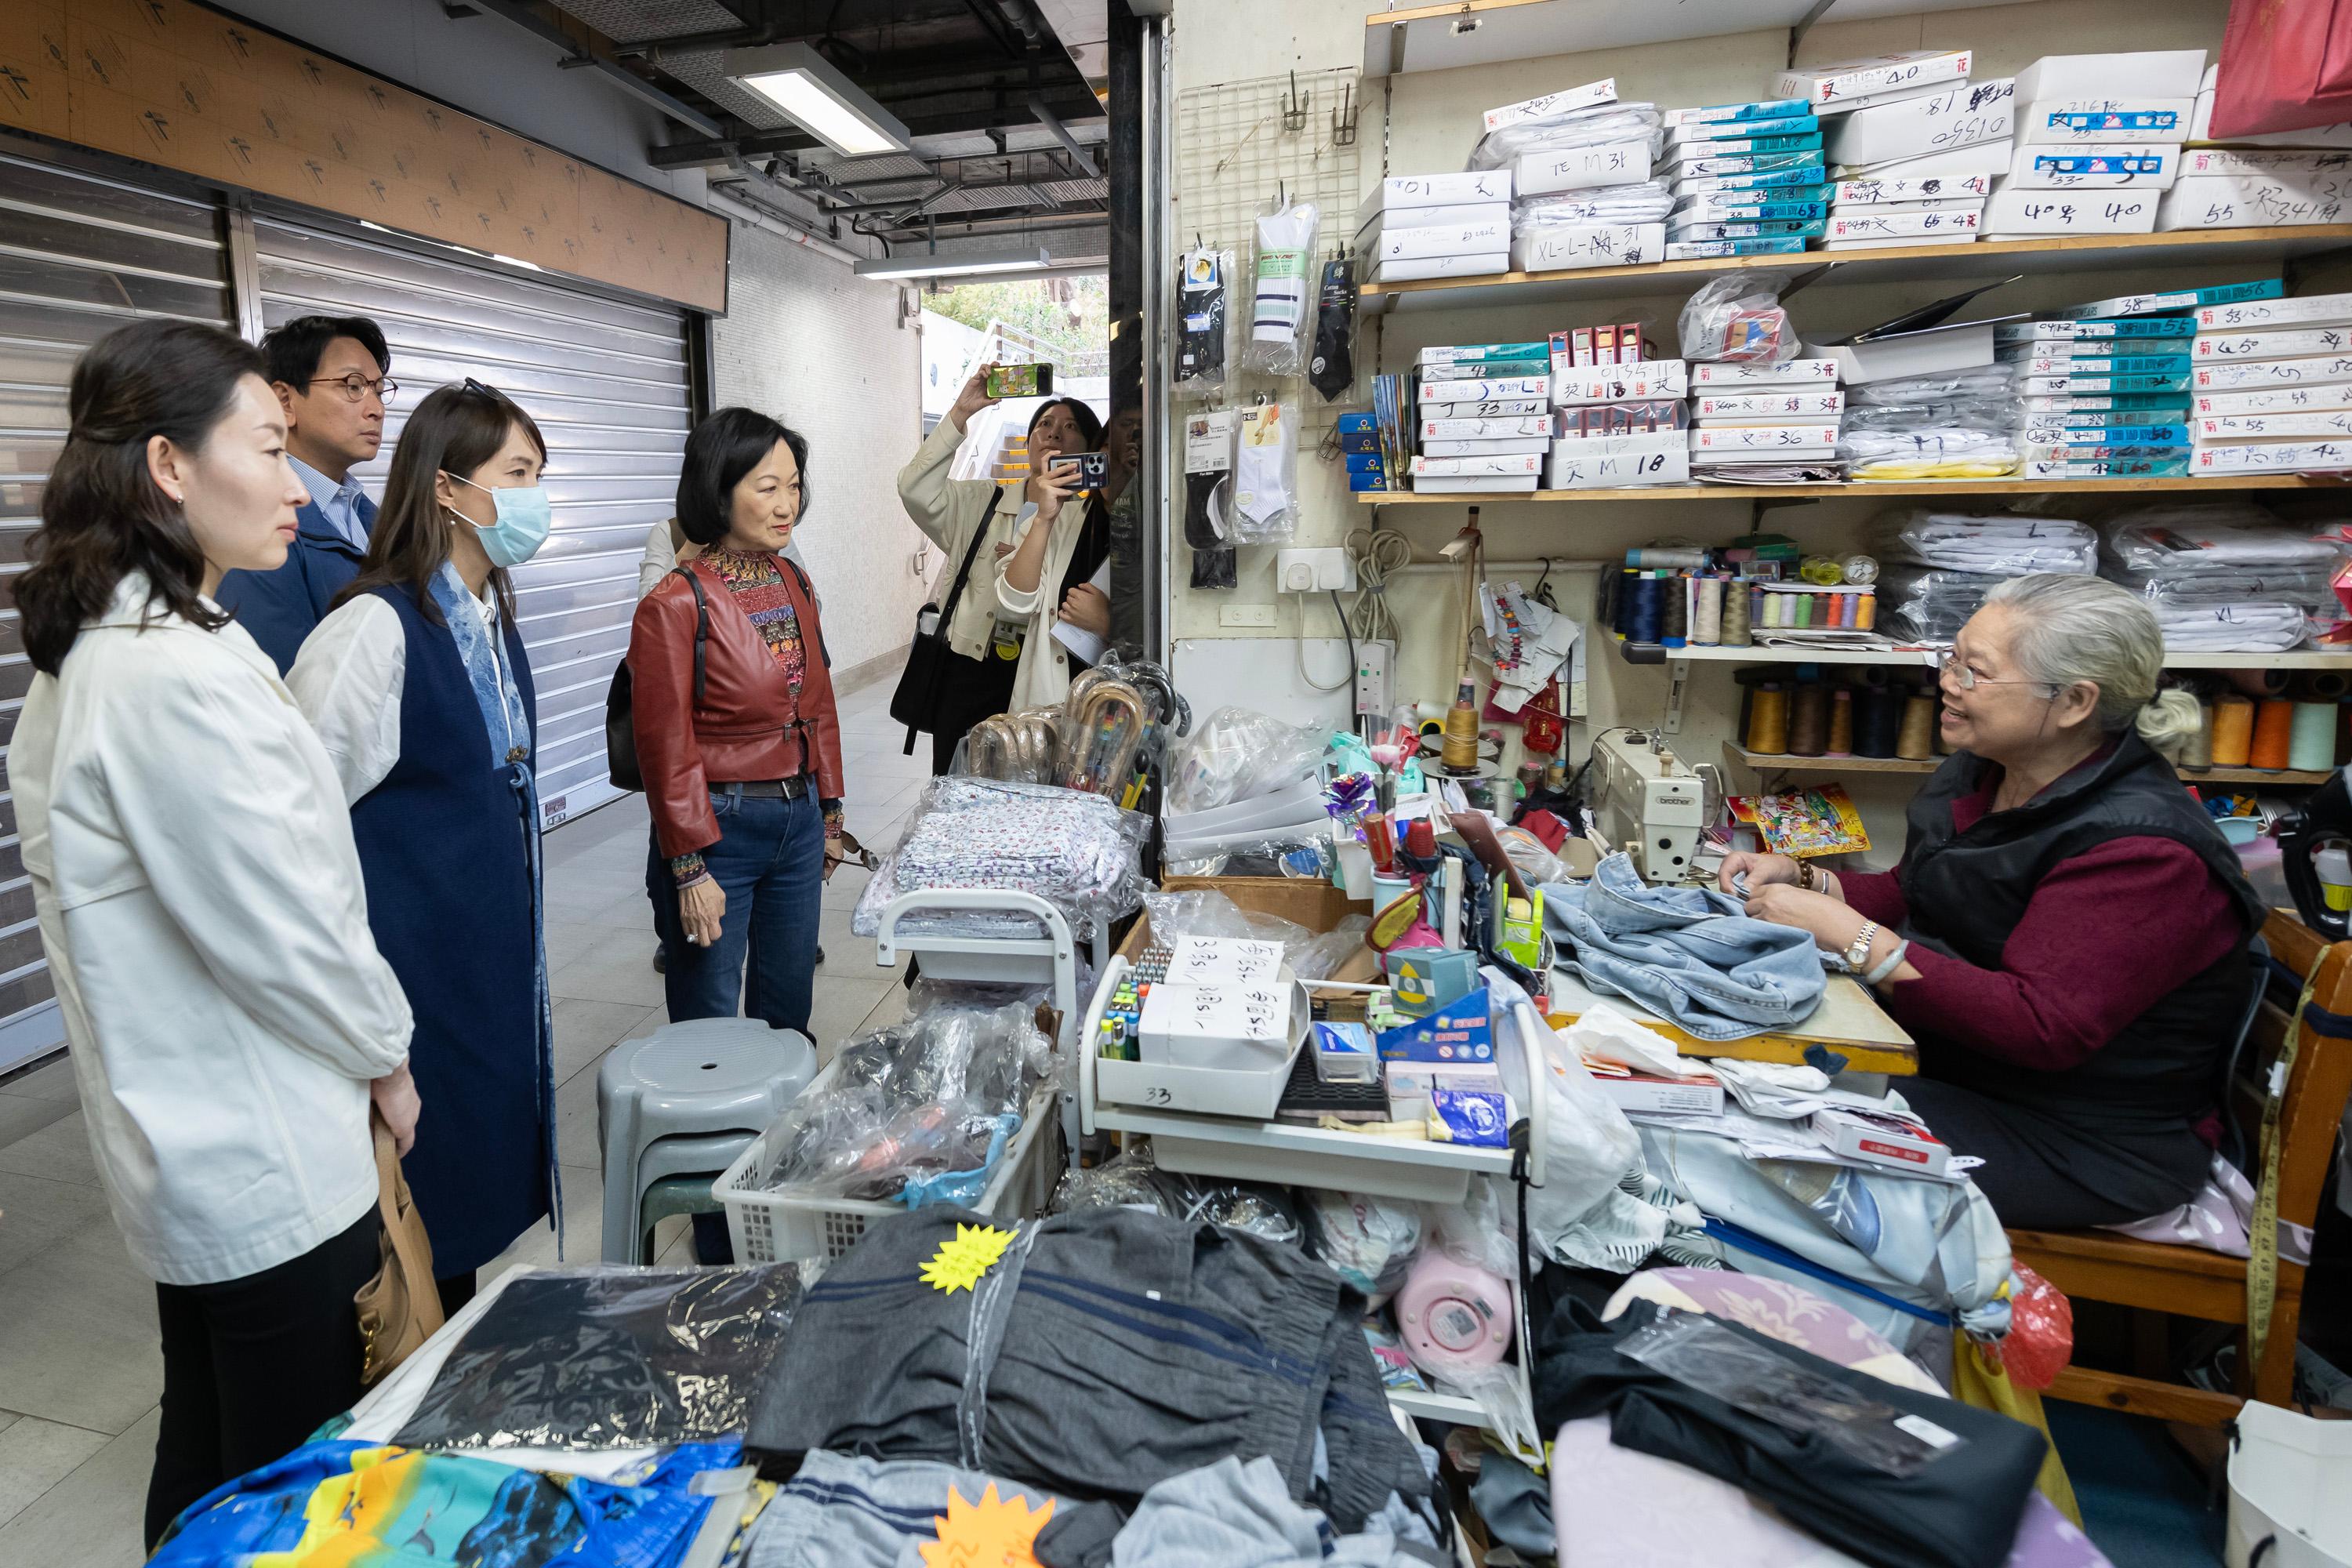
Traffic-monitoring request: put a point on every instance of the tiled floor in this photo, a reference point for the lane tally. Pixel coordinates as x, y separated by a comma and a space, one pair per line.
79, 1374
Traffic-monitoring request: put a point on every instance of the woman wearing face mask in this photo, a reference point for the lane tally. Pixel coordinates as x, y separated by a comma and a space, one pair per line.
418, 684
974, 521
200, 903
744, 776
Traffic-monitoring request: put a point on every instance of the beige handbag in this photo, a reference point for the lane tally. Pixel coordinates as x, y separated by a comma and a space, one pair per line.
401, 1307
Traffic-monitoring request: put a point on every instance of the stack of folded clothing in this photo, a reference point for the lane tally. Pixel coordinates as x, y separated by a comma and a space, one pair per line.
1936, 567
2090, 158
2273, 386
1916, 171
1951, 425
1436, 226
1458, 440
1747, 179
1583, 145
2224, 575
1765, 421
2102, 397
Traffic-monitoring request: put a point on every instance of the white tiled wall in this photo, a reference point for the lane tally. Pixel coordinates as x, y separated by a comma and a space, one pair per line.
808, 342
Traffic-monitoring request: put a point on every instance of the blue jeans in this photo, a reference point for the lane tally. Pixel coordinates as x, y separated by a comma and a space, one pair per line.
770, 862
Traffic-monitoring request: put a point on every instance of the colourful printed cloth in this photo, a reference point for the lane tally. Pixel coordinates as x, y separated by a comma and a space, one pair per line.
363, 1505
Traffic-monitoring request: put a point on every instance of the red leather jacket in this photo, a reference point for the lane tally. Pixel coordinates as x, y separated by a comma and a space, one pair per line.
748, 725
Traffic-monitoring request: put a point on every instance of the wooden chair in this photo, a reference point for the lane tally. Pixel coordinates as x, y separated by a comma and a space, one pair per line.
2189, 1281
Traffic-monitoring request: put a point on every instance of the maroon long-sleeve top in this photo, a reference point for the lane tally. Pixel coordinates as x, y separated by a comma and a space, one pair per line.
2106, 934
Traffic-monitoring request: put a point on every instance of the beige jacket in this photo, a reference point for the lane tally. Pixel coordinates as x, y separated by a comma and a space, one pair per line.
947, 510
1043, 677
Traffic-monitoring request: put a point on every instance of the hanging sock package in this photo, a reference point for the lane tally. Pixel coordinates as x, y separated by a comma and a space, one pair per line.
1285, 251
1209, 498
1203, 321
1332, 371
1265, 475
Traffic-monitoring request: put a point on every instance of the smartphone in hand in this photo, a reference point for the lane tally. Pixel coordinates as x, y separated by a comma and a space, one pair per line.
1021, 381
1094, 468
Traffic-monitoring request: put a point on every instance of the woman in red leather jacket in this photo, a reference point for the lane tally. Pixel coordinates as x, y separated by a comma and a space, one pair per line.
744, 776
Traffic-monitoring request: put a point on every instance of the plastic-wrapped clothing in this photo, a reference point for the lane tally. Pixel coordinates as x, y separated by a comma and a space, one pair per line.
2224, 575
1078, 852
1927, 452
1131, 1181
1929, 603
1102, 1352
1961, 1509
1593, 127
2001, 545
1689, 954
610, 1358
1236, 755
1647, 202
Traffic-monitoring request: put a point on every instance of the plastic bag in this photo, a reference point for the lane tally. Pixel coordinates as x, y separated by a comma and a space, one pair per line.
1285, 290
608, 1356
1321, 957
1078, 852
1367, 1241
1482, 1230
1929, 605
1737, 318
1238, 753
1648, 202
1534, 864
1208, 912
1995, 545
1593, 127
1133, 1181
1204, 318
1331, 369
1266, 475
2041, 1338
1128, 1181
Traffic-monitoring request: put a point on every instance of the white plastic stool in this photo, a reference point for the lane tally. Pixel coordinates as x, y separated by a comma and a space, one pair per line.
685, 1101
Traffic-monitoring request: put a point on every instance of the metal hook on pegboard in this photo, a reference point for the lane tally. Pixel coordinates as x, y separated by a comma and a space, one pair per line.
1343, 118
1294, 107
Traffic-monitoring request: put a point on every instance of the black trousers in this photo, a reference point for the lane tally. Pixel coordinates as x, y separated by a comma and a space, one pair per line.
971, 689
252, 1366
2042, 1173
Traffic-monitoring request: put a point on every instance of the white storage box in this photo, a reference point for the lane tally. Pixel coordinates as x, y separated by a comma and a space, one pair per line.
1819, 373
1426, 217
2291, 1487
2152, 73
2317, 425
1485, 389
1406, 191
1902, 192
1960, 222
1482, 446
2059, 122
1486, 429
2257, 201
1418, 269
1961, 346
1502, 465
1829, 87
1767, 407
2031, 213
2273, 457
1582, 168
2285, 342
2094, 166
1964, 116
1392, 242
1986, 158
1576, 467
1244, 1026
1718, 442
1560, 248
1643, 381
2250, 315
2312, 370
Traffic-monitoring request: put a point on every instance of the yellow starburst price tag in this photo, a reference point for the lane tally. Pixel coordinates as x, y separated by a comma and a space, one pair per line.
959, 1264
994, 1532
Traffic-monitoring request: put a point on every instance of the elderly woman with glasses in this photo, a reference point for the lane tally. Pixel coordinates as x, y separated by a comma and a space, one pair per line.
2066, 933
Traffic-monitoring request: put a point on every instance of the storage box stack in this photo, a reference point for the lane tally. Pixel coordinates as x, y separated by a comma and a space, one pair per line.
1484, 416
2277, 179
1916, 171
1618, 414
1359, 444
1747, 179
1436, 226
1581, 168
2091, 158
2270, 385
1750, 420
2101, 398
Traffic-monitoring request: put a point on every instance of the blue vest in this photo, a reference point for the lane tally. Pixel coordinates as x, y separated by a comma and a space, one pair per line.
442, 842
282, 607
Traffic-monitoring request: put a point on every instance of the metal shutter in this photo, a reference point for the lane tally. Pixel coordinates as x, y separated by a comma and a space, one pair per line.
79, 256
607, 383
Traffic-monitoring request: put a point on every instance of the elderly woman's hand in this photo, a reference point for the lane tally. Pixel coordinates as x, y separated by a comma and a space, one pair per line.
1833, 925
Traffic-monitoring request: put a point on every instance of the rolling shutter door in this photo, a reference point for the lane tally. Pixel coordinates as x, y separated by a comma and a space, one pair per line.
79, 256
607, 383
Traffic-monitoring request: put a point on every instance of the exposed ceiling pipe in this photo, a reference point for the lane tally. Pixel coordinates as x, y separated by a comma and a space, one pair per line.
1061, 132
1024, 20
753, 218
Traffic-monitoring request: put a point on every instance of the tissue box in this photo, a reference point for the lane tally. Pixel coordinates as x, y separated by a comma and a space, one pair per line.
1458, 1032
1343, 1054
1428, 978
1883, 1140
1963, 116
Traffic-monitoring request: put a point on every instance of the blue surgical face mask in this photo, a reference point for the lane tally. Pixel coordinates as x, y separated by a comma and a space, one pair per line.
525, 520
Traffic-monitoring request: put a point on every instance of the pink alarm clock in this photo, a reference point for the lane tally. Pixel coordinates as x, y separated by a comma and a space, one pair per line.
1453, 1316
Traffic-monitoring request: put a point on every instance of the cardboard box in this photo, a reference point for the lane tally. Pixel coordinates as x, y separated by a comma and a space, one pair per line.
1988, 158
1972, 187
1767, 407
2325, 424
1883, 1138
2105, 468
1760, 440
1236, 1027
2313, 370
1506, 445
2154, 73
2060, 121
1223, 961
2272, 400
1960, 345
2255, 202
1689, 132
1544, 106
1458, 1032
1428, 218
2286, 343
2035, 213
1484, 389
1421, 268
2095, 165
2252, 315
1833, 86
1693, 232
1451, 239
1768, 108
1537, 354
1621, 383
1661, 1096
1632, 348
1485, 429
2273, 457
1963, 219
1818, 373
1716, 249
1404, 191
1572, 468
1679, 155
1968, 115
1804, 163
2142, 329
1497, 466
1582, 168
1489, 408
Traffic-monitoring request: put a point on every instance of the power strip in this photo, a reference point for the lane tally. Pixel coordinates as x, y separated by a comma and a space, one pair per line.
1373, 660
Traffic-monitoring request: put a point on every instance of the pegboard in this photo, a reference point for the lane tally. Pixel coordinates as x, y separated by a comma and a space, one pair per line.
1236, 157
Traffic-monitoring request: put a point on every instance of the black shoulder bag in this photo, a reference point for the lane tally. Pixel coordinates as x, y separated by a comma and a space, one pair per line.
620, 706
915, 702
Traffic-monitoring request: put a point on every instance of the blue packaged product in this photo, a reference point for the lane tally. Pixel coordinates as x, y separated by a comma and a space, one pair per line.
1766, 109
2173, 301
2106, 436
1358, 484
1699, 231
1708, 249
1460, 1031
1704, 209
1363, 462
2117, 327
1697, 131
1811, 173
1480, 1118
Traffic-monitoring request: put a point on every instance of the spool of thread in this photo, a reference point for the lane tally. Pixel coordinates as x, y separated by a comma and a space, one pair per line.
1673, 629
1835, 605
1809, 720
2312, 746
2274, 734
1767, 609
2259, 682
1735, 623
1621, 602
1865, 612
1878, 723
1918, 740
2199, 753
2323, 686
1841, 723
1667, 560
1648, 622
2233, 731
1805, 605
1860, 570
1707, 626
1767, 721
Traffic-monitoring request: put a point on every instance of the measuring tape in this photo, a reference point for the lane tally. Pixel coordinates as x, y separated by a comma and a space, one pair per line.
2262, 1243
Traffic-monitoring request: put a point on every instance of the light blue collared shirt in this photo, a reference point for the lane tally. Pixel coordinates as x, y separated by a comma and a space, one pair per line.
339, 503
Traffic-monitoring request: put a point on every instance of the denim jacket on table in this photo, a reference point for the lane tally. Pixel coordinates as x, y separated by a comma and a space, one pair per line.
1687, 953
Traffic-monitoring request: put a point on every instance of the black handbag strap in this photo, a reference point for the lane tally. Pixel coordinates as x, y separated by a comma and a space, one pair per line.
955, 592
701, 627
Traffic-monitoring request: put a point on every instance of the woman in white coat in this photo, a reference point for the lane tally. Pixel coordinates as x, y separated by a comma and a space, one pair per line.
1062, 537
199, 895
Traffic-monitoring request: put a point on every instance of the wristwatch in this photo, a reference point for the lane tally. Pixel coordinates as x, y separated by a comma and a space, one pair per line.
1857, 954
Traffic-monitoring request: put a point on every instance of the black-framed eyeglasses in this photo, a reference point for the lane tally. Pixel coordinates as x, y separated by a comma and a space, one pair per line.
357, 386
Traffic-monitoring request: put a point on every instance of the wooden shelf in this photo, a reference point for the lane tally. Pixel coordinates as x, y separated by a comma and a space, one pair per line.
1849, 487
1765, 762
1657, 653
1981, 259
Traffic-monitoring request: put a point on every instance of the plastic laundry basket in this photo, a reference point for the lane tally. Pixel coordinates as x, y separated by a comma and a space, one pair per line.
2291, 1485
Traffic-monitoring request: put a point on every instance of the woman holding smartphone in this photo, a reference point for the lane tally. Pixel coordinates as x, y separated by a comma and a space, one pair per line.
987, 644
1062, 537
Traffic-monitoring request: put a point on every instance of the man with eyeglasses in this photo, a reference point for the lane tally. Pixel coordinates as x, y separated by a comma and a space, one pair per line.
330, 374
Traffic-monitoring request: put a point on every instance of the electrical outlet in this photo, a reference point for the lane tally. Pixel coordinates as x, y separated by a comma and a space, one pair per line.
1314, 571
1245, 615
1373, 677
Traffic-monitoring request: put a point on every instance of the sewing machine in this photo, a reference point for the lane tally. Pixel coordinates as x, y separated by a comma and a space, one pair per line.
1649, 803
